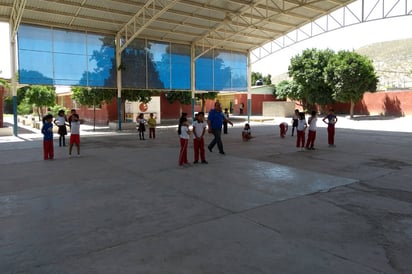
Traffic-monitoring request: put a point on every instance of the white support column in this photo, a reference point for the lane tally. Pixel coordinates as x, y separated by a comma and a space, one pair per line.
14, 22
193, 77
13, 68
119, 81
249, 86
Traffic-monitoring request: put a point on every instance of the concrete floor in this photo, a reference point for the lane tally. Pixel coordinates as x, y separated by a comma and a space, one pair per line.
125, 206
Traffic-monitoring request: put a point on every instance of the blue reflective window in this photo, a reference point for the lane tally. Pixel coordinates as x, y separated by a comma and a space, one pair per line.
35, 55
134, 65
70, 58
221, 70
101, 61
53, 56
158, 65
61, 57
180, 66
239, 71
38, 71
204, 71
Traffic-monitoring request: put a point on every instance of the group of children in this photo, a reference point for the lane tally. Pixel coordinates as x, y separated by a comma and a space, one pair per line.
141, 126
61, 122
299, 122
199, 129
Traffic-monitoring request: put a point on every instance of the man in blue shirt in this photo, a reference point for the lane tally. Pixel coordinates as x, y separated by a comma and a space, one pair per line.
215, 121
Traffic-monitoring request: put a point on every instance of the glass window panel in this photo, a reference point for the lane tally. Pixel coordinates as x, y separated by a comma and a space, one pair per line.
204, 70
35, 68
101, 59
180, 67
69, 57
221, 71
239, 71
65, 41
35, 55
35, 38
69, 68
134, 65
158, 65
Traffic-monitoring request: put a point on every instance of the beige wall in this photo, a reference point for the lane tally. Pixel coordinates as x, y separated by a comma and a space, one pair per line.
278, 109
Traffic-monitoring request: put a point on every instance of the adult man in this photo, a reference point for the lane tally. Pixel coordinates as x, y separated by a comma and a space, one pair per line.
215, 121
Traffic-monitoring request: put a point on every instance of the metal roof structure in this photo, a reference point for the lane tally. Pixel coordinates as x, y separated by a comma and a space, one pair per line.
238, 25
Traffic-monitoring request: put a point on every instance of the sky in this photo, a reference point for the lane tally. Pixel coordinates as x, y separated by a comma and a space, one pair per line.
348, 38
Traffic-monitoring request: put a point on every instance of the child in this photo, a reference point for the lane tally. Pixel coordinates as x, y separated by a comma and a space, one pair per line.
226, 113
199, 129
141, 128
283, 129
300, 131
47, 130
332, 119
183, 132
312, 130
295, 119
246, 133
60, 121
75, 134
152, 126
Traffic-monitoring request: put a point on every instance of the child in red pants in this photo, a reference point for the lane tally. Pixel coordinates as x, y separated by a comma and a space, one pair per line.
183, 132
47, 130
283, 129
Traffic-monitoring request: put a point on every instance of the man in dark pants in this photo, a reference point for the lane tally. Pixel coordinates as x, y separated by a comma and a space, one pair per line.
215, 121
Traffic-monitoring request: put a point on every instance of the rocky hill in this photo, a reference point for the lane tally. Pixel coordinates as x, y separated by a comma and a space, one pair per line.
392, 61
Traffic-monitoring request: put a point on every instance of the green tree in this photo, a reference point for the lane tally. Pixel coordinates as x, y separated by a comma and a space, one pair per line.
183, 97
4, 83
95, 96
307, 70
350, 75
288, 89
41, 97
91, 96
204, 96
266, 80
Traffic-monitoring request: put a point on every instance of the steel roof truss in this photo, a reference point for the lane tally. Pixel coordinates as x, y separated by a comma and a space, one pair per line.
148, 14
15, 17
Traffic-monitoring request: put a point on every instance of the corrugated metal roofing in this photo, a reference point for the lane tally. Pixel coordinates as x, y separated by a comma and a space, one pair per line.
234, 25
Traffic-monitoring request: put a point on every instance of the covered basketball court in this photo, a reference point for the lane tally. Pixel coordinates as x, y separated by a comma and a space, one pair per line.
205, 26
125, 206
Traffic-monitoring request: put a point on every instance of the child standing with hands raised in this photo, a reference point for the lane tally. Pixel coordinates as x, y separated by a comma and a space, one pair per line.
300, 130
184, 133
199, 129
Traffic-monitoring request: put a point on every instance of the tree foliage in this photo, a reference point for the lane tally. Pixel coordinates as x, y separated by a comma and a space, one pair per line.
307, 70
204, 96
95, 96
183, 97
257, 76
350, 75
324, 77
91, 96
41, 97
288, 89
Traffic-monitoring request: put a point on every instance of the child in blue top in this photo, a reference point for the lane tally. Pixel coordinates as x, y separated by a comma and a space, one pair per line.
47, 130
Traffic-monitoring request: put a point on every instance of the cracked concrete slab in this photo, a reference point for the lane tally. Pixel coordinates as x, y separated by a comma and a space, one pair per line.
125, 206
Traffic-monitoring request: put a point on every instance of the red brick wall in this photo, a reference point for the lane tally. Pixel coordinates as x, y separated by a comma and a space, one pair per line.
172, 111
1, 105
87, 113
394, 103
389, 103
